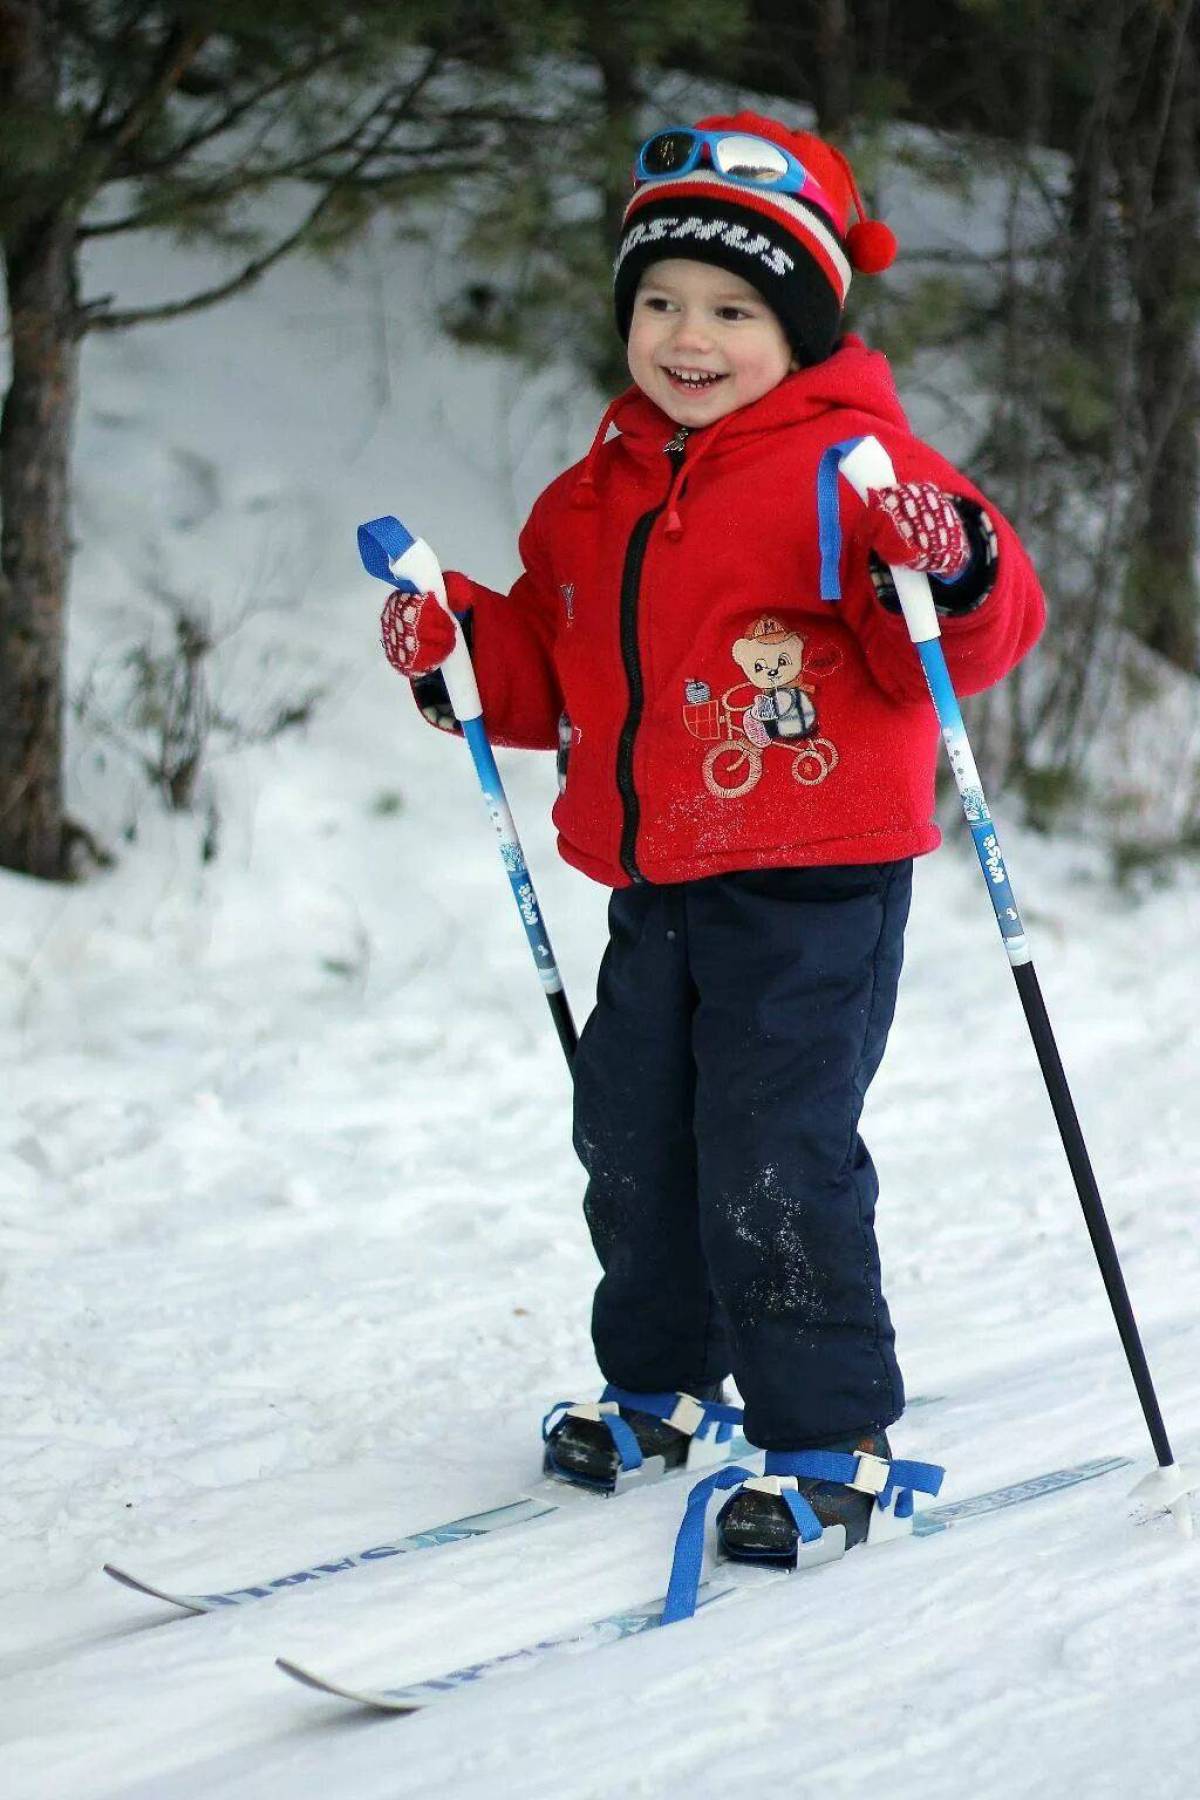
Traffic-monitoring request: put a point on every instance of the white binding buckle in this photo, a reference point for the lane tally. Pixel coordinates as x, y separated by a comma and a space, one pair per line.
591, 1409
770, 1484
688, 1415
871, 1475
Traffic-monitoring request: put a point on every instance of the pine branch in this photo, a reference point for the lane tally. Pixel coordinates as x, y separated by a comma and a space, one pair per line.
386, 178
95, 317
226, 188
248, 177
179, 49
92, 318
101, 147
106, 53
233, 115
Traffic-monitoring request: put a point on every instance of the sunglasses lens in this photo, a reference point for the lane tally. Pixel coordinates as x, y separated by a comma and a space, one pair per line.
750, 159
663, 154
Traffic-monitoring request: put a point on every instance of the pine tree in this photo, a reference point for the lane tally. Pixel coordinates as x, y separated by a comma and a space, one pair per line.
542, 248
117, 116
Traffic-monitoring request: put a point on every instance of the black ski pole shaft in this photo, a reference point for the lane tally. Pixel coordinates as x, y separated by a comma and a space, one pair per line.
564, 1024
1094, 1215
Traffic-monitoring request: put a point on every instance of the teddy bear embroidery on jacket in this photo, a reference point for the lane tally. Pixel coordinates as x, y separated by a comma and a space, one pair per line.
776, 704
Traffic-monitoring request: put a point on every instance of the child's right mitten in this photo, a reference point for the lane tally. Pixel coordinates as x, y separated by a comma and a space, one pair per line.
417, 632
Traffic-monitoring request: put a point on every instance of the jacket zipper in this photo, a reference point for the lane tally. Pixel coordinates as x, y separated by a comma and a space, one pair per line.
631, 579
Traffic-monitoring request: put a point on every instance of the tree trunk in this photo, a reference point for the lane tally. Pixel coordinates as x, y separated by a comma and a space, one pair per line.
608, 43
613, 55
39, 254
35, 439
1090, 275
1162, 596
835, 67
1018, 428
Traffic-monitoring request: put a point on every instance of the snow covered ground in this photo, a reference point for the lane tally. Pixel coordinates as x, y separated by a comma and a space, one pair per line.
290, 1240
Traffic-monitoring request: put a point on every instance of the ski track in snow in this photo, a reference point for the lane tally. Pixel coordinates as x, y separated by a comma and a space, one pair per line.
291, 1256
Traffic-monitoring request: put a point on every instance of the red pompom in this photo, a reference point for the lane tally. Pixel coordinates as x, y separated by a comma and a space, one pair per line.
872, 246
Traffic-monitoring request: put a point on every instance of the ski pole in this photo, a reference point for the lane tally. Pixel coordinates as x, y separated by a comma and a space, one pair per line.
865, 464
394, 555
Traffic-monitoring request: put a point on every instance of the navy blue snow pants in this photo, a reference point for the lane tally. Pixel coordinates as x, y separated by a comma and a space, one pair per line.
730, 1199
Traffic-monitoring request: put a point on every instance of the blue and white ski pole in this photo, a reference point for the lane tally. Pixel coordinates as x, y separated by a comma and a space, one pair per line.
865, 464
393, 554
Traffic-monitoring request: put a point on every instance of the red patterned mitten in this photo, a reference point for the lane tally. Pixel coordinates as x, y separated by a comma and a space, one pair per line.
917, 526
416, 631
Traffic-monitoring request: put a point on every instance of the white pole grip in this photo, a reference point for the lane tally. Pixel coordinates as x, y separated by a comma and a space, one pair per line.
868, 466
420, 566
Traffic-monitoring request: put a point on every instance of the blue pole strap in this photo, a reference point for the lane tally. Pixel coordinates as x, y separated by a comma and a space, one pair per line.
829, 516
380, 543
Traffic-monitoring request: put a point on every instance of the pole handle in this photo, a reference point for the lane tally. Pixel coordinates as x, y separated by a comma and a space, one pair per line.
391, 552
869, 466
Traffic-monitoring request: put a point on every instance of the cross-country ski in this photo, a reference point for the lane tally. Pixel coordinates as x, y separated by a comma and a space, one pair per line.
724, 1584
543, 1499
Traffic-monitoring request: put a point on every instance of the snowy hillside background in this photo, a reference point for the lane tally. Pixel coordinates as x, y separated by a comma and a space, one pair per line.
290, 1241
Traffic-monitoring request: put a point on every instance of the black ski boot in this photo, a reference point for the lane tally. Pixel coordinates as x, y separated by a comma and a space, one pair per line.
581, 1448
756, 1524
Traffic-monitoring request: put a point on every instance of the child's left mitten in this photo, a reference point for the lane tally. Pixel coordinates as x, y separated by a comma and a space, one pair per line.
916, 525
417, 632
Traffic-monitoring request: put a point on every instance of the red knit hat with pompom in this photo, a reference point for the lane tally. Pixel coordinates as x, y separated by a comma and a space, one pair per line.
798, 250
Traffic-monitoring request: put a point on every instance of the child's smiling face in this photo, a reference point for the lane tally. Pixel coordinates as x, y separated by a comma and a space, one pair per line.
702, 341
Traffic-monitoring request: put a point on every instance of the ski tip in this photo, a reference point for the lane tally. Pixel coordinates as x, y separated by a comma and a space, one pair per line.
357, 1697
299, 1673
129, 1581
144, 1587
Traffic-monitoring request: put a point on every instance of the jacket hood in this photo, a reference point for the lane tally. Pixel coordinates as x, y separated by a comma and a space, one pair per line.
853, 379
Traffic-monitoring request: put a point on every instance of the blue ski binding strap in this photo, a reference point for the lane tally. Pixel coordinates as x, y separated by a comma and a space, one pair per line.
704, 1421
697, 1418
688, 1560
892, 1484
601, 1413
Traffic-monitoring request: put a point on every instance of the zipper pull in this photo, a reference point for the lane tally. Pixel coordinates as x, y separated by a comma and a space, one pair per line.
678, 444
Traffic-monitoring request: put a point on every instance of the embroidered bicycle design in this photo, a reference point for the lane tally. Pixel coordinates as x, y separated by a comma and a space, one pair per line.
775, 705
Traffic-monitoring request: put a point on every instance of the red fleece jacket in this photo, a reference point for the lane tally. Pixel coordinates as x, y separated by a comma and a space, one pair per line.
645, 584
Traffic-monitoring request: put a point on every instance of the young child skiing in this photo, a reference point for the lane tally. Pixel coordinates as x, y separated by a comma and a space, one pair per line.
706, 629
